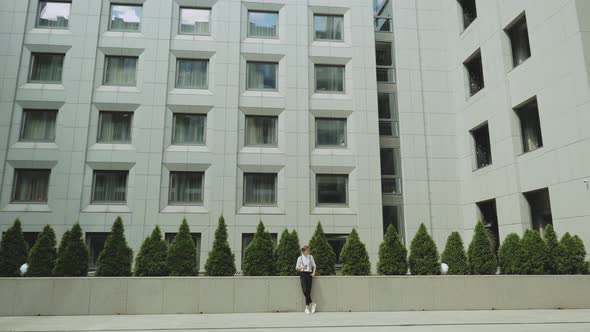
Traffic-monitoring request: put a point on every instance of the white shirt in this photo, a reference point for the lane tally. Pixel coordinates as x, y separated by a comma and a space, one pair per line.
306, 261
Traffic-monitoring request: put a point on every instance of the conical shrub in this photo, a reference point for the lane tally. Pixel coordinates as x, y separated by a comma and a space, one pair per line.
480, 255
322, 252
287, 253
182, 255
43, 254
72, 256
553, 248
354, 256
221, 260
259, 256
393, 256
151, 259
13, 251
572, 256
511, 255
534, 253
116, 257
454, 255
424, 256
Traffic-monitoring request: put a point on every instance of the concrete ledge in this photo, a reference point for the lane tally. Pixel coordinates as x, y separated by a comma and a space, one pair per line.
174, 295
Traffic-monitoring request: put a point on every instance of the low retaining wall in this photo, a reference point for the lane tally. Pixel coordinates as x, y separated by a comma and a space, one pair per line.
102, 296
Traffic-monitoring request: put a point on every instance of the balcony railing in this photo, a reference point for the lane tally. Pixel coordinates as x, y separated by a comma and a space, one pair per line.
386, 75
383, 24
389, 128
391, 185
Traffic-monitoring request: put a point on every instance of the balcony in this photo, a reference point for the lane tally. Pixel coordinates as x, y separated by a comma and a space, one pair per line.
391, 185
389, 128
383, 24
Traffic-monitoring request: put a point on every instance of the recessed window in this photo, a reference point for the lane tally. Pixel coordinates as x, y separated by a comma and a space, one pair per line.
332, 189
247, 238
125, 17
120, 70
109, 187
261, 130
483, 149
329, 78
186, 188
31, 185
391, 181
384, 61
169, 237
95, 242
114, 127
189, 129
530, 126
392, 215
262, 24
388, 117
328, 27
191, 74
489, 218
53, 14
540, 208
195, 21
261, 75
518, 33
46, 67
337, 241
468, 12
330, 132
474, 69
260, 189
38, 125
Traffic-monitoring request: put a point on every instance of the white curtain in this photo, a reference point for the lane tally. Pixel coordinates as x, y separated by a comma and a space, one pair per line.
39, 125
125, 17
110, 186
120, 70
194, 21
115, 127
261, 24
331, 189
53, 14
260, 189
189, 129
31, 185
331, 132
262, 75
328, 27
261, 130
47, 67
192, 74
329, 78
186, 187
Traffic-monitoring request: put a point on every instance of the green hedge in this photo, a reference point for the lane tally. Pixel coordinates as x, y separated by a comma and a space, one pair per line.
182, 254
354, 256
510, 255
43, 254
424, 258
393, 256
322, 252
534, 253
72, 255
454, 255
221, 260
13, 251
572, 256
480, 255
116, 257
151, 259
288, 251
552, 250
259, 256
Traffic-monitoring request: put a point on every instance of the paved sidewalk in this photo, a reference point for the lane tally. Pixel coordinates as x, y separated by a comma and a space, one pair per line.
439, 321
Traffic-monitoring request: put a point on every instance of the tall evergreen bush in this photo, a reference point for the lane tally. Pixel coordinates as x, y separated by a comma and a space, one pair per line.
72, 256
480, 255
182, 255
454, 255
13, 251
511, 255
288, 251
393, 256
221, 260
424, 258
354, 256
116, 257
259, 256
534, 253
43, 254
553, 249
572, 256
322, 252
151, 259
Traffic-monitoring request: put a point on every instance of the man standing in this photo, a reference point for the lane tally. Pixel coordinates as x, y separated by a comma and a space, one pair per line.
306, 267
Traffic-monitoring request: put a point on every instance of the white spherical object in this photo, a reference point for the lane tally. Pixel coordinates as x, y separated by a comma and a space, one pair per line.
24, 268
444, 268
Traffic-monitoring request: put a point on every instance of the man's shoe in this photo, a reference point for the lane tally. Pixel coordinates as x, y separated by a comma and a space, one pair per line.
307, 309
313, 308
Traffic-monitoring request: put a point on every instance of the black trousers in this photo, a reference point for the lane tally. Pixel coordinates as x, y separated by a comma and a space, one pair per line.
306, 278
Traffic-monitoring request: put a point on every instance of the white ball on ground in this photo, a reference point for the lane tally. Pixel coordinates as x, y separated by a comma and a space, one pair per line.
444, 268
24, 268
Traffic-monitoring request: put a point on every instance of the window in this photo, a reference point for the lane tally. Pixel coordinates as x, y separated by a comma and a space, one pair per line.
261, 76
392, 216
30, 238
530, 125
489, 218
328, 27
38, 125
262, 24
53, 14
261, 130
247, 238
383, 14
483, 149
474, 73
95, 243
109, 187
120, 70
329, 78
388, 118
31, 185
169, 237
384, 61
186, 188
332, 189
330, 132
468, 11
260, 189
337, 241
189, 129
391, 181
519, 41
195, 21
46, 67
125, 17
114, 127
540, 205
191, 74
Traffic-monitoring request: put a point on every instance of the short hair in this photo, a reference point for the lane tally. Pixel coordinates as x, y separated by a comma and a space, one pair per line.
304, 248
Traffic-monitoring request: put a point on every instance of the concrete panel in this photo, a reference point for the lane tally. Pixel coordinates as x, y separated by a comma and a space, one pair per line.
71, 296
180, 295
324, 292
216, 295
415, 292
33, 297
108, 296
383, 294
7, 300
144, 296
285, 295
251, 294
353, 294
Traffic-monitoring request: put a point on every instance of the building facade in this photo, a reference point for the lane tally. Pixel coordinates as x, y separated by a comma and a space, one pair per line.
353, 113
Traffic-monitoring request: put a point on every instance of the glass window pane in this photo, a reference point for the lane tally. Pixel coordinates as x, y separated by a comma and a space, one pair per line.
262, 24
328, 27
46, 67
120, 70
189, 129
192, 74
38, 125
125, 17
194, 21
383, 54
329, 78
31, 185
389, 162
332, 189
109, 187
261, 76
261, 130
186, 187
114, 127
53, 14
331, 132
260, 189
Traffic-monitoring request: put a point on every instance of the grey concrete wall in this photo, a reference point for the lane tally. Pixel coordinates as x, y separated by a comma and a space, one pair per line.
98, 296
